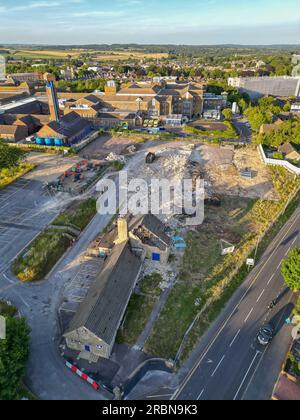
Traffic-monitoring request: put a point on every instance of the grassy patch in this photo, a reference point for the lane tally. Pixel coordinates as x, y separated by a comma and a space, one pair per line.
214, 134
139, 309
42, 255
136, 318
7, 310
78, 214
150, 285
10, 175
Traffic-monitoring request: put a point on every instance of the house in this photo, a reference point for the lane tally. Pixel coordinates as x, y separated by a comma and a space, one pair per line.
93, 329
268, 128
13, 133
69, 130
289, 151
147, 235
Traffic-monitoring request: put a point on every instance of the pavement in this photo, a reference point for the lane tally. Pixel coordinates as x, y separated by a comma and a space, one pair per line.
228, 363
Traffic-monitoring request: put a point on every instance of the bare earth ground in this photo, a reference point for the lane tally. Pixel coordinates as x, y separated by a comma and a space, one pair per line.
105, 145
49, 167
222, 172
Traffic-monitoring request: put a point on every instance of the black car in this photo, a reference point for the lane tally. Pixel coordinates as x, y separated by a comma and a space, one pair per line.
266, 335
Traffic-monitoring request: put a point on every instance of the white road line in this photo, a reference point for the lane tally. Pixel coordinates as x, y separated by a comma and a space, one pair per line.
281, 237
279, 265
288, 250
248, 316
217, 368
159, 396
200, 395
25, 303
271, 278
245, 377
294, 240
236, 336
260, 296
8, 279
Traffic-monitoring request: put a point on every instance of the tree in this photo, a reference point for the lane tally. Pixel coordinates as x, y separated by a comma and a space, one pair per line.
10, 156
257, 117
228, 114
291, 270
14, 351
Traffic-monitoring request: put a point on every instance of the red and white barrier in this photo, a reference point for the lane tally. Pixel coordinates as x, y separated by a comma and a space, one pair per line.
83, 376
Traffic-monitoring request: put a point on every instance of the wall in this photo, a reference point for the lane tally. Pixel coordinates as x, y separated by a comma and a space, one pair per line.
277, 162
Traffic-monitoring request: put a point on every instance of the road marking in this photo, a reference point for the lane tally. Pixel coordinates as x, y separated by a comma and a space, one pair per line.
263, 354
245, 377
288, 250
248, 316
260, 296
200, 395
280, 238
294, 240
8, 279
279, 265
271, 278
217, 368
235, 337
158, 396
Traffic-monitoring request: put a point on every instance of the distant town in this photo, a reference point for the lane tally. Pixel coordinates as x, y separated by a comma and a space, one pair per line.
147, 306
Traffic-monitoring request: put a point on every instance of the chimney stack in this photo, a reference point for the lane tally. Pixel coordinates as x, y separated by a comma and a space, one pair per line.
122, 231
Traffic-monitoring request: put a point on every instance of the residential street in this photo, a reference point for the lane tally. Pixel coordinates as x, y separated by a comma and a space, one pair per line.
229, 364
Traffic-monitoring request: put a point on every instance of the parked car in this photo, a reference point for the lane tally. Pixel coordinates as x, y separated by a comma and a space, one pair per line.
266, 335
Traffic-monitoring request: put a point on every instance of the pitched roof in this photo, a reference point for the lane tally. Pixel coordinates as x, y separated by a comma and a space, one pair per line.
8, 129
154, 226
70, 125
287, 148
103, 309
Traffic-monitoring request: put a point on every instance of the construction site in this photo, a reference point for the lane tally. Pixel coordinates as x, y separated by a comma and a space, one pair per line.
77, 179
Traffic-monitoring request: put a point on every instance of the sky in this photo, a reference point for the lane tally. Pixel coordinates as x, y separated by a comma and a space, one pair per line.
194, 22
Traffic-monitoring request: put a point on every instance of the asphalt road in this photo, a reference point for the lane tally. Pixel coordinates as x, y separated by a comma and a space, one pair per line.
24, 212
229, 364
243, 127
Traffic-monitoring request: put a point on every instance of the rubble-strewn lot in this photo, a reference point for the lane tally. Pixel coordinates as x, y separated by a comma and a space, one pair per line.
104, 145
222, 168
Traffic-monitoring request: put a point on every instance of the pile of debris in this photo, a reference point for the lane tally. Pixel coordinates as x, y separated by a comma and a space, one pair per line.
113, 157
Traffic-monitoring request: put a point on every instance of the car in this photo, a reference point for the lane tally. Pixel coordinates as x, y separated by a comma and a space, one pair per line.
266, 335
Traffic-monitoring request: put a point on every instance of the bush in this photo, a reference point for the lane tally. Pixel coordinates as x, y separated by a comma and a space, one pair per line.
291, 270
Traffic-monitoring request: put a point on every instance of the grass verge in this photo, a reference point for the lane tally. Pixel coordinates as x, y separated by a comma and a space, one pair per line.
10, 175
78, 214
42, 255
